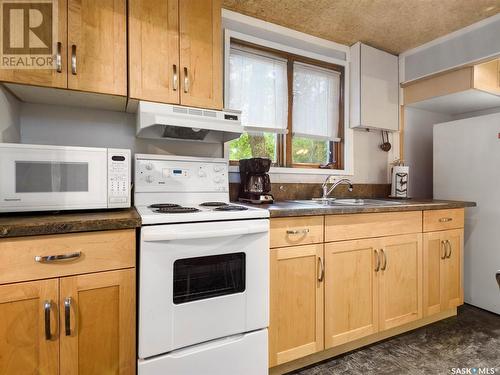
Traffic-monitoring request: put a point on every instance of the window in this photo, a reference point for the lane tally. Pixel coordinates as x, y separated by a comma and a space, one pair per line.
292, 107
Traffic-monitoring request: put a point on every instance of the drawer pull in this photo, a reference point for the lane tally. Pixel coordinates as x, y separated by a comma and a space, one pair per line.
321, 270
297, 231
46, 312
445, 219
58, 258
377, 258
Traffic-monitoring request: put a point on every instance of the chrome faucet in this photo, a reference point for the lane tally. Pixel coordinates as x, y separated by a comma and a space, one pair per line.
335, 183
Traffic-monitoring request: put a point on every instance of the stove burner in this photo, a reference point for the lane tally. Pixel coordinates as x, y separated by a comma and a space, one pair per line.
231, 208
214, 204
176, 210
164, 205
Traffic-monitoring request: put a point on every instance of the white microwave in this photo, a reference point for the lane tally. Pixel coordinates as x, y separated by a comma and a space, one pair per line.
47, 178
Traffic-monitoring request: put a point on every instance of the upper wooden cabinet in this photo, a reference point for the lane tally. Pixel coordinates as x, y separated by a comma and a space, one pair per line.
46, 77
374, 88
175, 52
154, 50
28, 328
92, 46
97, 46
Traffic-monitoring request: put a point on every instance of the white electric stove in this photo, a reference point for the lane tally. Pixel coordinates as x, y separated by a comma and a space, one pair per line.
204, 271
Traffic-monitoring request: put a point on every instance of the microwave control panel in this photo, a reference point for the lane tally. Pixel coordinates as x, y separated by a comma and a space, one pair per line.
119, 178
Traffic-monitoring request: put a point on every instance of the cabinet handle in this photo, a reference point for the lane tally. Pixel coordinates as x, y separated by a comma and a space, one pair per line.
46, 307
384, 265
445, 219
321, 269
186, 80
67, 315
377, 267
73, 59
443, 247
58, 58
297, 231
175, 78
448, 245
57, 258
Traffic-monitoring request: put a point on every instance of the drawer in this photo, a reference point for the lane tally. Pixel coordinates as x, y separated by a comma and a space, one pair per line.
435, 220
291, 231
355, 226
99, 251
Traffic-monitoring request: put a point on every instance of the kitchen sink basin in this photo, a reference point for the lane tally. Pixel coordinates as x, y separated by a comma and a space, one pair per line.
349, 202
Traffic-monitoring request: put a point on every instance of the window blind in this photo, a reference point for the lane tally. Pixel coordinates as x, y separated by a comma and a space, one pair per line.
258, 87
316, 98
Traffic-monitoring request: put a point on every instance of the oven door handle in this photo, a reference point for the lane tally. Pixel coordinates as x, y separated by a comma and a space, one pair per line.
152, 235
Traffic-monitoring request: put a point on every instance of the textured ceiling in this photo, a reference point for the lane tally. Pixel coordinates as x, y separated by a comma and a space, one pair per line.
391, 25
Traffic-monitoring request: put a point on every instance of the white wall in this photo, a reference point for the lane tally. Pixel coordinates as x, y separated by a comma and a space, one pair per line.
9, 117
69, 126
418, 149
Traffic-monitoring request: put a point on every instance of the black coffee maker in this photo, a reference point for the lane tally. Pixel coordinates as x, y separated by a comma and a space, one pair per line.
255, 185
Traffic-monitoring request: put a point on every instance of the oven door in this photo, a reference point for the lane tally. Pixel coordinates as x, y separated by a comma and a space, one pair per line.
201, 281
44, 178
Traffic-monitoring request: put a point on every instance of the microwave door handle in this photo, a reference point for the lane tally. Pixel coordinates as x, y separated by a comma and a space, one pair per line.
155, 234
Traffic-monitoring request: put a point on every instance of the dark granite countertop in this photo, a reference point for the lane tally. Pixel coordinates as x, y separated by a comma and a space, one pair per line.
292, 208
33, 224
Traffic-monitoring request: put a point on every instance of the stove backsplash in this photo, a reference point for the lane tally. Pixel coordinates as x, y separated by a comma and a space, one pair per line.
290, 191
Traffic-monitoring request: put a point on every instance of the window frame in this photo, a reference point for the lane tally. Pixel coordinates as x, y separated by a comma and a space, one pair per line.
284, 147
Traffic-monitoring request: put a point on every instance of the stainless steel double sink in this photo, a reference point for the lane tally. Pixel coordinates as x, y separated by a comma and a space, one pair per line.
348, 202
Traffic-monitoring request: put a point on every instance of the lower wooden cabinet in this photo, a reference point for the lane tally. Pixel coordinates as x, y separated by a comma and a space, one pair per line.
400, 280
27, 317
371, 285
296, 313
351, 290
443, 284
81, 325
97, 313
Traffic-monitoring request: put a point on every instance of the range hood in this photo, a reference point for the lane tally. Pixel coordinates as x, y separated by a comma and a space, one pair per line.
167, 121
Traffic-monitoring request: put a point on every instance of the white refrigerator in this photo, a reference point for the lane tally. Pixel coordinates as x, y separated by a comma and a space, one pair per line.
467, 167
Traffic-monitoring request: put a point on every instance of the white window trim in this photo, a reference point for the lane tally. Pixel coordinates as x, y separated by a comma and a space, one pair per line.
348, 169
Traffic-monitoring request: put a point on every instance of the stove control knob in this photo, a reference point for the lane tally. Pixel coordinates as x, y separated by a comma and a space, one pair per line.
218, 168
149, 179
149, 166
202, 173
217, 180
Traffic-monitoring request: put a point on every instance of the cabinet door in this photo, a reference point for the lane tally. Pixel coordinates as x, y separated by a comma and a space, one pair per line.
97, 44
434, 253
46, 77
451, 270
98, 323
296, 317
154, 50
351, 290
201, 53
400, 280
24, 346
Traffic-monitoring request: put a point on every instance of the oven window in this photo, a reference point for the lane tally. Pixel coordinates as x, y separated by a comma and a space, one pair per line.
48, 177
208, 276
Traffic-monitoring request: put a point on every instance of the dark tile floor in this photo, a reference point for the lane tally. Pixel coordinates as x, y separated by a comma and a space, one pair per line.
469, 340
